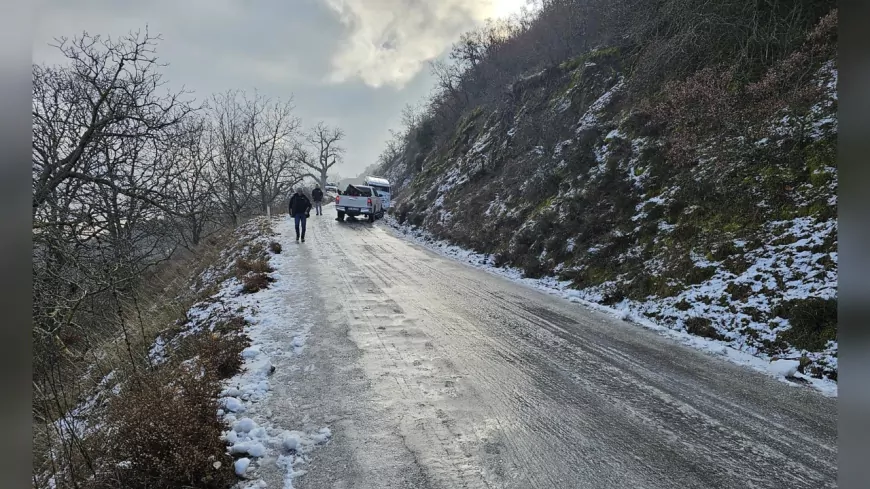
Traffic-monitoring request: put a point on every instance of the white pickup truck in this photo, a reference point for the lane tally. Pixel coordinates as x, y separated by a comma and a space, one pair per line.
359, 200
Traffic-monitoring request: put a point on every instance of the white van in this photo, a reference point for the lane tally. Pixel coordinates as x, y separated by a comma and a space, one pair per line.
382, 185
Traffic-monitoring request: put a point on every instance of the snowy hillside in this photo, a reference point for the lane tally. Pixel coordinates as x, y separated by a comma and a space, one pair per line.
728, 234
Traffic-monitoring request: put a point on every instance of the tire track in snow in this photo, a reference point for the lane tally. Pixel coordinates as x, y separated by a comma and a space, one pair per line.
427, 426
516, 454
711, 404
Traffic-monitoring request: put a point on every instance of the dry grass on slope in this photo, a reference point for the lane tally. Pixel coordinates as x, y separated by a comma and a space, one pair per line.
139, 419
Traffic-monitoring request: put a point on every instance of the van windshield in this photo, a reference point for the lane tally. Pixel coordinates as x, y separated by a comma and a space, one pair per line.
381, 189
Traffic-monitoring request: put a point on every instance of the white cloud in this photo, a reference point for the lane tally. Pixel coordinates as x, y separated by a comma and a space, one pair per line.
389, 41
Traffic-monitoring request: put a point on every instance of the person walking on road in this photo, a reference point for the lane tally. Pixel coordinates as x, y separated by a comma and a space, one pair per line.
317, 195
300, 207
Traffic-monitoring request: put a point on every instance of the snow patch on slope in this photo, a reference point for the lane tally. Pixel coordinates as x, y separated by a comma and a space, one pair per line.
590, 119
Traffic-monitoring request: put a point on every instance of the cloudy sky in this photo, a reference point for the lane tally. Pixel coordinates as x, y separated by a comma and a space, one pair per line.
351, 63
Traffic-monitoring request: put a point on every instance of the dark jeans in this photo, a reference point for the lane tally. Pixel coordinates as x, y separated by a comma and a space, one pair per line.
300, 218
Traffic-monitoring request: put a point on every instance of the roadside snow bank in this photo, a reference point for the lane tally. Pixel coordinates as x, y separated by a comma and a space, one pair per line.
258, 446
626, 310
250, 434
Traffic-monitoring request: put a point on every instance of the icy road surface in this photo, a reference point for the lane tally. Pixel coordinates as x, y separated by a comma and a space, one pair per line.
432, 374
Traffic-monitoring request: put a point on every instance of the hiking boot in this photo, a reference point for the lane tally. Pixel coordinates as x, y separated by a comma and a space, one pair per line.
297, 239
303, 239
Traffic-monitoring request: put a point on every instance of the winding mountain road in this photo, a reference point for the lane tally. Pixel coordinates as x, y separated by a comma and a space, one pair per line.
433, 374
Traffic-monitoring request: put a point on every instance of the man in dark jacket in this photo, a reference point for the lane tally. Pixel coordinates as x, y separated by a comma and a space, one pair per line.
300, 206
317, 195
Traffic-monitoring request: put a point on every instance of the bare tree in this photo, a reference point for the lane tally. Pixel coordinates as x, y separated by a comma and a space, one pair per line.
234, 183
194, 191
325, 152
470, 49
270, 132
111, 89
102, 198
100, 184
448, 78
413, 115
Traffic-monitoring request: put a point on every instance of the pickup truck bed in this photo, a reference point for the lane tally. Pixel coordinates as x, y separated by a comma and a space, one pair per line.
358, 200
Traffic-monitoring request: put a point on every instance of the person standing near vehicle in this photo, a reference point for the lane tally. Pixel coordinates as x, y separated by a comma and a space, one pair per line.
317, 195
300, 206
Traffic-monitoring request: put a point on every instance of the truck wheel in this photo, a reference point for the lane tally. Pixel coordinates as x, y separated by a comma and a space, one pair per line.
340, 216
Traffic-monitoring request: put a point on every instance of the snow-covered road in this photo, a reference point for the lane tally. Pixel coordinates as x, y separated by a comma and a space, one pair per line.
430, 373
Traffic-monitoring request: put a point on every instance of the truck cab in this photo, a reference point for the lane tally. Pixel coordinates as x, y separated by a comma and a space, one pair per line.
382, 186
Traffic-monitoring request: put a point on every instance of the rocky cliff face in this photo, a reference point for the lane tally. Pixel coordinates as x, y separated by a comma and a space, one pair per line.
571, 178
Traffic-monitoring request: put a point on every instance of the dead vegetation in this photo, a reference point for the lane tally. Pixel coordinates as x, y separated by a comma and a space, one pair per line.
164, 432
255, 282
700, 326
254, 272
258, 265
714, 103
137, 193
813, 322
156, 416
